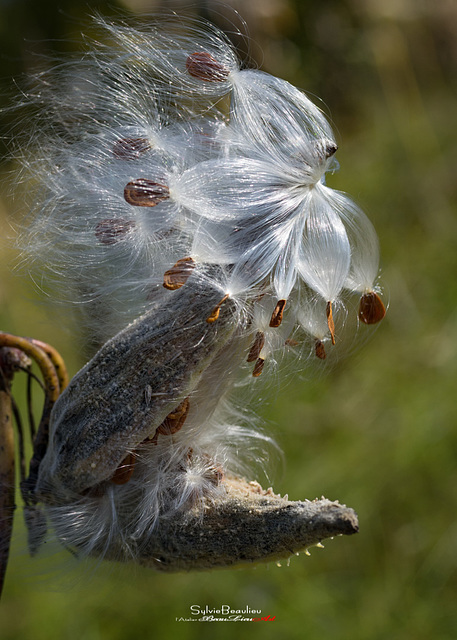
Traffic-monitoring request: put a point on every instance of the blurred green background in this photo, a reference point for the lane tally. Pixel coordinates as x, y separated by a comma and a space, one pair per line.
379, 431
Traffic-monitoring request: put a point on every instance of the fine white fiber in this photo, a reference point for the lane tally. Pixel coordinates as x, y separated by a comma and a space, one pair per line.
179, 202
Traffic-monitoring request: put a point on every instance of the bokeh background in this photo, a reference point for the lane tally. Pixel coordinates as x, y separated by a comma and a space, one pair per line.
379, 431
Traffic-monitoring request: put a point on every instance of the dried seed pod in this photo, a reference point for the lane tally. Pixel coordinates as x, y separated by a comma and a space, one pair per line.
319, 349
125, 470
175, 420
371, 308
130, 148
263, 527
203, 66
257, 347
111, 230
145, 193
258, 367
330, 321
179, 273
276, 317
214, 315
103, 413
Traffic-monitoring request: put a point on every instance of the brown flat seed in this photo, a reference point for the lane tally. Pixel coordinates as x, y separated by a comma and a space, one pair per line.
111, 230
257, 347
276, 316
179, 273
320, 349
258, 367
330, 322
175, 420
203, 66
130, 148
371, 308
145, 193
214, 315
125, 470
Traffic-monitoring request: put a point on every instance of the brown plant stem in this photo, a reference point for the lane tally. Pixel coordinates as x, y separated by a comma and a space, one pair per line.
52, 390
7, 502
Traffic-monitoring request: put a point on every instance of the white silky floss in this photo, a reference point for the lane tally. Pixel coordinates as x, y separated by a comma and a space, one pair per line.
169, 167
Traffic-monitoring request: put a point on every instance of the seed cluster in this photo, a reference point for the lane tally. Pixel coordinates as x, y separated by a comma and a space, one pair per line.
187, 161
177, 177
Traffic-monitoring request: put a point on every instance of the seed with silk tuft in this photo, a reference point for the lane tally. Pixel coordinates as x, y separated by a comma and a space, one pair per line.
277, 315
145, 193
111, 230
257, 347
203, 66
371, 308
258, 367
130, 148
179, 273
319, 348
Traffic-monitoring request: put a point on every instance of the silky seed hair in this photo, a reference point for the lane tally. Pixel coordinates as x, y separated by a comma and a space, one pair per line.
179, 192
277, 145
190, 60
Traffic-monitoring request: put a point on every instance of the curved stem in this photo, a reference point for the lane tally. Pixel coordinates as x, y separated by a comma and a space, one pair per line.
56, 359
47, 368
52, 391
7, 503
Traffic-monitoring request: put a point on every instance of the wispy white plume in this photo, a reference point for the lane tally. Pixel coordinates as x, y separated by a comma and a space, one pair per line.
178, 191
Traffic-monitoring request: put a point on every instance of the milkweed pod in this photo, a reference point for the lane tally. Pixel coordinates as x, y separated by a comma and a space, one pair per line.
103, 414
263, 527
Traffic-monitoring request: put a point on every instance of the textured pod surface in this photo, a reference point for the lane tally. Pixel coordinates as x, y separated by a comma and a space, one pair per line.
127, 390
246, 526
